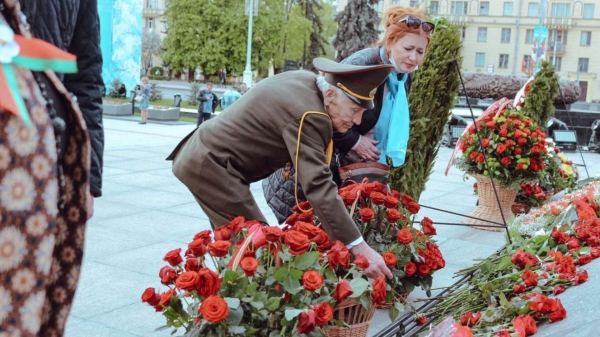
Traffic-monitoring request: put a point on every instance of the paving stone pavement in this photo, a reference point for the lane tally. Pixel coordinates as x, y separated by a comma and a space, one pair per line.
145, 212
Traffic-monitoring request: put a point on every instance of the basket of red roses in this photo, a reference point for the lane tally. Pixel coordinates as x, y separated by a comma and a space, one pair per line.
271, 282
383, 218
515, 148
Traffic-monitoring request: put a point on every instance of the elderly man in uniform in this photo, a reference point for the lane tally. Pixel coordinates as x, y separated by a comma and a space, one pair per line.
287, 118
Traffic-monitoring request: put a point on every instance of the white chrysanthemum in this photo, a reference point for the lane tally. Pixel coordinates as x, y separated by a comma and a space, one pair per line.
37, 224
43, 255
13, 248
4, 157
31, 312
40, 167
23, 281
17, 190
50, 197
23, 139
5, 303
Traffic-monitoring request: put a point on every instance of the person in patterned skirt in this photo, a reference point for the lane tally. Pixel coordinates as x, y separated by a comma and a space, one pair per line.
44, 185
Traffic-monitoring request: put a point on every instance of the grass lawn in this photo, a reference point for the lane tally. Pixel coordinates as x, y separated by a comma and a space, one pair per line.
162, 102
182, 118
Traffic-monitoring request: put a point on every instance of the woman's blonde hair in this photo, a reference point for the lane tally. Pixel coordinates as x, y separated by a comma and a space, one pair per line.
395, 30
145, 78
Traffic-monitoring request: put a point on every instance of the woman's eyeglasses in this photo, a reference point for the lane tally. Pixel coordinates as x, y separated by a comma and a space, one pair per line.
415, 23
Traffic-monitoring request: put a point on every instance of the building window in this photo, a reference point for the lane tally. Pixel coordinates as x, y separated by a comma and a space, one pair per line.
150, 3
150, 23
529, 36
503, 64
557, 62
505, 38
413, 3
480, 59
586, 38
560, 10
527, 67
394, 2
583, 64
481, 34
484, 8
533, 9
508, 9
588, 11
462, 31
560, 36
458, 7
434, 7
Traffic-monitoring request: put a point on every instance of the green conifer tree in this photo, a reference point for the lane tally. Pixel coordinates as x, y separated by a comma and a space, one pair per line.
357, 27
539, 103
433, 94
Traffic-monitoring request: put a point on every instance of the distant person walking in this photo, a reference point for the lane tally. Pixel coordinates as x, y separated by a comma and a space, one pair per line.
207, 102
244, 88
230, 96
145, 102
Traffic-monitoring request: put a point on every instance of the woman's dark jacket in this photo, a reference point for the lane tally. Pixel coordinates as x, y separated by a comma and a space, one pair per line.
279, 192
74, 26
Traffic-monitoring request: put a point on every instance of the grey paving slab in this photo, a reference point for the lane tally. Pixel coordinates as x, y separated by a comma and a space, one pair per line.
150, 199
462, 253
189, 209
110, 188
137, 154
87, 329
136, 319
144, 180
136, 165
165, 172
102, 241
174, 188
108, 171
104, 208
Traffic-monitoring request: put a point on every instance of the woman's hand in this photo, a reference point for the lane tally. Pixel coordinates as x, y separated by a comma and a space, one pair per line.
366, 149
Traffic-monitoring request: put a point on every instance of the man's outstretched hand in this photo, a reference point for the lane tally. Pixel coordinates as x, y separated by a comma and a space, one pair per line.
377, 265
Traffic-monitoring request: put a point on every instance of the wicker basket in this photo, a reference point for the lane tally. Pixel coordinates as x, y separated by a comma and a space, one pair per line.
488, 206
355, 316
398, 296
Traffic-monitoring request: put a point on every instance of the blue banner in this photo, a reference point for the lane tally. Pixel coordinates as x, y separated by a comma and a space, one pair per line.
540, 44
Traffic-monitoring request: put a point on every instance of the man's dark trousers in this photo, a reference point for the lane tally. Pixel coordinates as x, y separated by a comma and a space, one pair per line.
202, 117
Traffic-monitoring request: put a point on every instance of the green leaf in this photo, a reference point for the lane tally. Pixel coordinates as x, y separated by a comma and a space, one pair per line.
237, 330
275, 333
330, 275
296, 273
290, 314
281, 274
504, 263
232, 303
273, 303
393, 313
258, 305
235, 316
292, 286
584, 250
306, 260
359, 286
230, 276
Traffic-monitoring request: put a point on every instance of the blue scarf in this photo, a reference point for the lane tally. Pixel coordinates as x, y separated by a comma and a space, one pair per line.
392, 128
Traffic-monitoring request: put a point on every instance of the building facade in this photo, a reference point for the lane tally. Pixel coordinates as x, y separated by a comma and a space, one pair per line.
154, 21
498, 36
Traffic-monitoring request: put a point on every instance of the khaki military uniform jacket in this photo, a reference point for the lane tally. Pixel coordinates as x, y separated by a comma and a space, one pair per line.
253, 139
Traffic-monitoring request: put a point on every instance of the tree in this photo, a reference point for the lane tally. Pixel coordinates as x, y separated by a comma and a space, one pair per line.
327, 14
433, 94
539, 103
357, 27
315, 46
151, 46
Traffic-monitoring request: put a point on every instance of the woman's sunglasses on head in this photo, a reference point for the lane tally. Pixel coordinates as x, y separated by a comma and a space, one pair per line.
415, 23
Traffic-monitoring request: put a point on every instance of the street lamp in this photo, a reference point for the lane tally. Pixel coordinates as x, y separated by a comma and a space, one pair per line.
248, 72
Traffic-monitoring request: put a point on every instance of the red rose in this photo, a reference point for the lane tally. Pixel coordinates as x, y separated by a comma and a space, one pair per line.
390, 202
214, 309
427, 225
165, 298
208, 282
525, 325
272, 233
581, 277
307, 322
151, 297
204, 235
582, 260
167, 275
390, 259
393, 215
361, 262
522, 141
573, 243
219, 248
485, 142
223, 233
396, 194
595, 253
463, 146
237, 224
505, 161
404, 236
338, 255
501, 148
410, 269
535, 149
312, 280
423, 270
518, 133
307, 228
421, 320
406, 199
187, 281
192, 264
197, 247
509, 143
559, 314
503, 131
480, 158
377, 198
324, 313
173, 257
530, 278
468, 319
297, 242
303, 205
342, 290
291, 220
491, 124
348, 197
366, 214
517, 151
519, 288
559, 290
249, 265
322, 241
379, 290
559, 236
